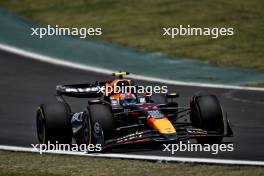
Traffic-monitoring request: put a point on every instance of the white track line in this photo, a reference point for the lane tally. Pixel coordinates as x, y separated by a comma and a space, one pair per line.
61, 62
142, 157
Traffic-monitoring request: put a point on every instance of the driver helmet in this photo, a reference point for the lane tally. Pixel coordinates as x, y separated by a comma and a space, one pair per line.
127, 99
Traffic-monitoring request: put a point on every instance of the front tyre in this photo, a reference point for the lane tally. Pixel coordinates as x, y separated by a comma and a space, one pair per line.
86, 133
207, 115
97, 124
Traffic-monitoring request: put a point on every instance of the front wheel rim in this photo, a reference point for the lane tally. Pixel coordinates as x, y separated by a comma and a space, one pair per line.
86, 130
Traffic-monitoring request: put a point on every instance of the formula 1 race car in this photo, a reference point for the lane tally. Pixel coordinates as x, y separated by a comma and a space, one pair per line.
116, 119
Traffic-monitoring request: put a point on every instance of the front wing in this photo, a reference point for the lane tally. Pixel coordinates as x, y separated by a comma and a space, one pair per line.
182, 134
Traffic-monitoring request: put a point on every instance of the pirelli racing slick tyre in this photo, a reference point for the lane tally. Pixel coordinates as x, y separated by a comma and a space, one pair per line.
54, 123
98, 124
207, 115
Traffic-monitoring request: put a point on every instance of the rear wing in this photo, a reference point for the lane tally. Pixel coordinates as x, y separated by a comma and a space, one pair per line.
79, 90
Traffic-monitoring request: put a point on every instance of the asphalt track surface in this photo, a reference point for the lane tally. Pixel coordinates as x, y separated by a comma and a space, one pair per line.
25, 83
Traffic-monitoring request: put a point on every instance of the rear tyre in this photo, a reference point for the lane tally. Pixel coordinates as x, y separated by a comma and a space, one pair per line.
207, 115
54, 123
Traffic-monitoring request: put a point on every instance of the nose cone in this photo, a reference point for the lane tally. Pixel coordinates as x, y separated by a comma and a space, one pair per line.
163, 125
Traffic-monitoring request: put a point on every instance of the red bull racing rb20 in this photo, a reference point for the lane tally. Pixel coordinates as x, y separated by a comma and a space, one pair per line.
120, 119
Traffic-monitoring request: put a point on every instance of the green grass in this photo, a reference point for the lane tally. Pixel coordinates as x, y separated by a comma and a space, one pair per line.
261, 85
138, 23
28, 164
